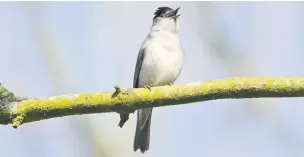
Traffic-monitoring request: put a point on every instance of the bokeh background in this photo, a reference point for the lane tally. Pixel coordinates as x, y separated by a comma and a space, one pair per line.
54, 48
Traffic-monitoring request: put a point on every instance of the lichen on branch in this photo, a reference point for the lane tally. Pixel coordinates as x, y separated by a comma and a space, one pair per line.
18, 110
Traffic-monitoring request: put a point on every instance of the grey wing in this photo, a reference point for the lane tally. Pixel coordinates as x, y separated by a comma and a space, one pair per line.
139, 62
142, 133
143, 114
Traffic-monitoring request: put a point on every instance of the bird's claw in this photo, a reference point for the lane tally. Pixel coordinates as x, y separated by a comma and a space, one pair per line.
149, 86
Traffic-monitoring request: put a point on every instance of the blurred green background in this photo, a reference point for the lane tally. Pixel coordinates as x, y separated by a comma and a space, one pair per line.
54, 48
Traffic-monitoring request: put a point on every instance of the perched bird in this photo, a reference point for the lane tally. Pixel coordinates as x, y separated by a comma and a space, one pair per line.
159, 63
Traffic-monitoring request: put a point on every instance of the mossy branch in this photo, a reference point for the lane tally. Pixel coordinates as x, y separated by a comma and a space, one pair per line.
18, 110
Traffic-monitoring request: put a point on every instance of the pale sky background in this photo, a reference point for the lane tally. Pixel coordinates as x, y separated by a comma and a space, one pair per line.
54, 48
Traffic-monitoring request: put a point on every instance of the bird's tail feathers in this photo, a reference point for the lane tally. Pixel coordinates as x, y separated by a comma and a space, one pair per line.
142, 136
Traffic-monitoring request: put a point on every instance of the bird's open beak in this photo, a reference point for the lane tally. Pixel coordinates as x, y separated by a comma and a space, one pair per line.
176, 10
175, 13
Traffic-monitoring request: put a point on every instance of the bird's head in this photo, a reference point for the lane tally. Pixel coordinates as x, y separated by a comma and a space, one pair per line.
165, 19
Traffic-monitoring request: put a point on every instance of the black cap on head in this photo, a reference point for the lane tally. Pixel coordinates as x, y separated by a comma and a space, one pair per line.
165, 12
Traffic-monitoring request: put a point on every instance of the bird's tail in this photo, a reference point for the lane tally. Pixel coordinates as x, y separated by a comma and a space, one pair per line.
142, 134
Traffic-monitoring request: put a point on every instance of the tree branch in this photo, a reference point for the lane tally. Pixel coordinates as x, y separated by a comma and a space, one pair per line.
17, 110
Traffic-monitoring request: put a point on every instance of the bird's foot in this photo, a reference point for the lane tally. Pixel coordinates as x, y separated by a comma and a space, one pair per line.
149, 86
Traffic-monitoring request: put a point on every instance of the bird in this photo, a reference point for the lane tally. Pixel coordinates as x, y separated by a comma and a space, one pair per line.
159, 62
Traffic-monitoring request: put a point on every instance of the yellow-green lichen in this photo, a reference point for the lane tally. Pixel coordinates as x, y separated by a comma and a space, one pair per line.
282, 84
203, 88
117, 89
57, 106
17, 121
269, 83
86, 99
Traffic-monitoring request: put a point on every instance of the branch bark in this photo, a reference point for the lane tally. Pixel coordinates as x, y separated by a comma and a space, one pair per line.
17, 111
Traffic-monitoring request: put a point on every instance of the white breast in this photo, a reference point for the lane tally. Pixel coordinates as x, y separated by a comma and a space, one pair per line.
162, 61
